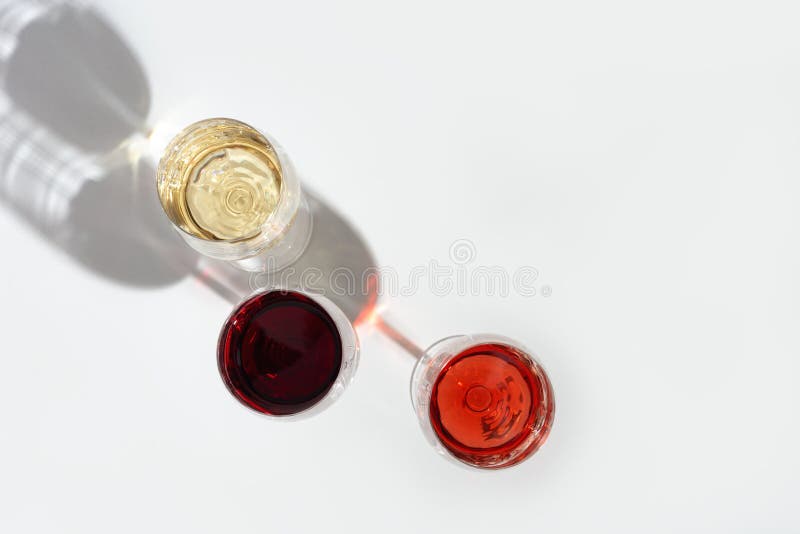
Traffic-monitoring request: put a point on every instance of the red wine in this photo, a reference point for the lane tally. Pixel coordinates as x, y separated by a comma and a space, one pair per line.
280, 352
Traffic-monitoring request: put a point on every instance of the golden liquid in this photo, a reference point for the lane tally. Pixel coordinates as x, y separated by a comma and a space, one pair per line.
220, 179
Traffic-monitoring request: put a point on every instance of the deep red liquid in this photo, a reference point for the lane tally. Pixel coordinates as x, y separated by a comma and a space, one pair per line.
279, 353
487, 402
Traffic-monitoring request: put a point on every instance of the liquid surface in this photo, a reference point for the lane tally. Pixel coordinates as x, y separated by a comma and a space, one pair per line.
220, 179
280, 353
232, 193
487, 401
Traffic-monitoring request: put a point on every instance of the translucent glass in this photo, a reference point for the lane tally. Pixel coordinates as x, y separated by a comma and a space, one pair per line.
233, 194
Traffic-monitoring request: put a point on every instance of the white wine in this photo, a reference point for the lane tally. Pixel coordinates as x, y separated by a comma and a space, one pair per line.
220, 180
234, 195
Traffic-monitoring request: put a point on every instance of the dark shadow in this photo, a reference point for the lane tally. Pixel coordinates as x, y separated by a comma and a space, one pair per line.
337, 263
77, 96
79, 101
74, 75
336, 247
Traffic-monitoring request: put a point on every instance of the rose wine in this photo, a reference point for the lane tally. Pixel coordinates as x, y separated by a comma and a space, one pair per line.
491, 405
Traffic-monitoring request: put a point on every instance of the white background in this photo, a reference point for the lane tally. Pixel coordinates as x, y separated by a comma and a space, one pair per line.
643, 156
